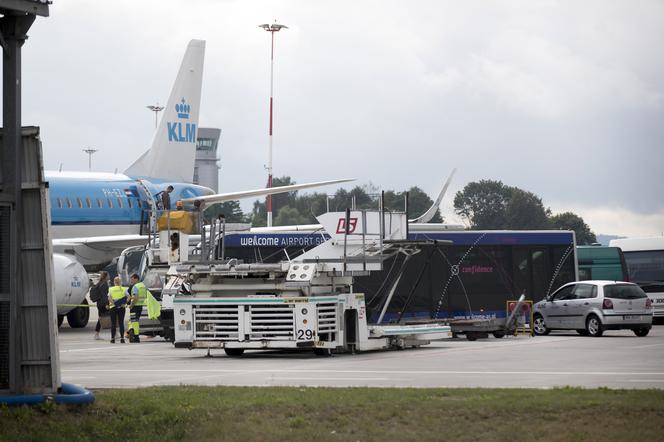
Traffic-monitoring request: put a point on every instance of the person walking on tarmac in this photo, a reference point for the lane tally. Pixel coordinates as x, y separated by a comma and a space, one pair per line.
117, 306
139, 294
99, 295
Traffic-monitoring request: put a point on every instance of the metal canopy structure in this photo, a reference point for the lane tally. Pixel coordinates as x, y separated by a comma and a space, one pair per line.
28, 348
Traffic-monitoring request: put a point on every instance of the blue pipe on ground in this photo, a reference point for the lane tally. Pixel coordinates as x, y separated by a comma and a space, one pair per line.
71, 394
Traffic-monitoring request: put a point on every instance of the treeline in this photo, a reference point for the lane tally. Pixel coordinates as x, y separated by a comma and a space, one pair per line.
484, 205
492, 205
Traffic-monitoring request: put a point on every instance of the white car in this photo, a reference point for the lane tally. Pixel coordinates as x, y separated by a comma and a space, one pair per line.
590, 307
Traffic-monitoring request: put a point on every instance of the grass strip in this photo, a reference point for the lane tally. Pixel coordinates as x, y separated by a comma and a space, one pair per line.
341, 414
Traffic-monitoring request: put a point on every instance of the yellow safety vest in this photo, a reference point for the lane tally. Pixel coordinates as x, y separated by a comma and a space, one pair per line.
117, 293
142, 293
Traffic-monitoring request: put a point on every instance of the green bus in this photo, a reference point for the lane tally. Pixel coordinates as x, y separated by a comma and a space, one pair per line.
601, 262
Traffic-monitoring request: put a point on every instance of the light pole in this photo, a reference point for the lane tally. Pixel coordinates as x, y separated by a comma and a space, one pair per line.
271, 28
156, 109
89, 151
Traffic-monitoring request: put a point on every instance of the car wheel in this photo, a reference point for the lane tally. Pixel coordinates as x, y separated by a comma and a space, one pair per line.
234, 352
641, 332
594, 326
539, 326
582, 332
498, 335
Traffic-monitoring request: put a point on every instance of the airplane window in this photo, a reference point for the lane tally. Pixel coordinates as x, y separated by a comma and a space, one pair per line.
88, 202
119, 202
59, 201
99, 203
79, 202
110, 203
129, 202
68, 201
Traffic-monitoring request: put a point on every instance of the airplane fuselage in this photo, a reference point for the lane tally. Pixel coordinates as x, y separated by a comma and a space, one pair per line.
85, 204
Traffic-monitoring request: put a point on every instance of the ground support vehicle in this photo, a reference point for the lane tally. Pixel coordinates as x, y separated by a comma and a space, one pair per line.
306, 303
480, 328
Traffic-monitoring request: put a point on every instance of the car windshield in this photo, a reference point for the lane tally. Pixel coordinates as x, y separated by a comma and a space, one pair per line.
623, 291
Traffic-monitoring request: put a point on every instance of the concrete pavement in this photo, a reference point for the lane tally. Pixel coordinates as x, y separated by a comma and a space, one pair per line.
617, 360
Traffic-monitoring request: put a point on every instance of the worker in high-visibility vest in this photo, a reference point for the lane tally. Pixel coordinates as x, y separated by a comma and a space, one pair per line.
139, 294
117, 298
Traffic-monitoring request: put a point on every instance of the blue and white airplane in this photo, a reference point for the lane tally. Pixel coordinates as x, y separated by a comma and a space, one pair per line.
94, 216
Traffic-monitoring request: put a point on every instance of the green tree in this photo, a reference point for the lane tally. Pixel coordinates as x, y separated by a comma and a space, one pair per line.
230, 209
572, 221
525, 211
258, 215
484, 204
418, 203
289, 216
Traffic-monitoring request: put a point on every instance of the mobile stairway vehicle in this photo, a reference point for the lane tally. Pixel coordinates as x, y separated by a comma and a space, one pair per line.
304, 303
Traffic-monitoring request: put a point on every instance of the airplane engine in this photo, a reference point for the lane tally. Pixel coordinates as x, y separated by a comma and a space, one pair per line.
70, 287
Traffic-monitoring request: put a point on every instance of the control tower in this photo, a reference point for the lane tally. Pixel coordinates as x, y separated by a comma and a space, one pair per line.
206, 167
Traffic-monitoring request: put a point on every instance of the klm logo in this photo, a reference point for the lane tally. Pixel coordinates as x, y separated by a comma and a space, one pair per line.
182, 131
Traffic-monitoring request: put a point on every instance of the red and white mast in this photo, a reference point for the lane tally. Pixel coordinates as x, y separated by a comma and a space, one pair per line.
271, 28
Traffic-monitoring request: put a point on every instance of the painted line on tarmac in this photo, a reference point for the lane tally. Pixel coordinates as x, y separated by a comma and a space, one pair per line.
275, 378
407, 372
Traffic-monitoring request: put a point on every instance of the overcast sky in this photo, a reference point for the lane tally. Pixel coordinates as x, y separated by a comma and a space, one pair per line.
564, 99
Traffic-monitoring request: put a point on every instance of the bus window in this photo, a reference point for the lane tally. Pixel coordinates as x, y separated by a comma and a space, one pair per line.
68, 201
646, 265
129, 203
99, 203
601, 263
119, 203
110, 203
79, 202
88, 202
59, 202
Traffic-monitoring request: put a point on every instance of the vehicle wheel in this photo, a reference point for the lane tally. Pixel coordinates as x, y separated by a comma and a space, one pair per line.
582, 332
234, 352
78, 318
322, 352
539, 326
594, 326
641, 332
498, 335
471, 337
61, 319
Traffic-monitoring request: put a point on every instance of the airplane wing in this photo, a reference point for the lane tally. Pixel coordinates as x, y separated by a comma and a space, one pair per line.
221, 197
111, 241
426, 216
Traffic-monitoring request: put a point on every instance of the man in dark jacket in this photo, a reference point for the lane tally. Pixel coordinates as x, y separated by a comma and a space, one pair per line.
101, 295
166, 198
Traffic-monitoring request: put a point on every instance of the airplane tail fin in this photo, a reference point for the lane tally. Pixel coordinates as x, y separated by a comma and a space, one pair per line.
429, 214
173, 150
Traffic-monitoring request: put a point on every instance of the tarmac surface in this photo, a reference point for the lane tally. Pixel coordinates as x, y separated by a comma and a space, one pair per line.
619, 359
